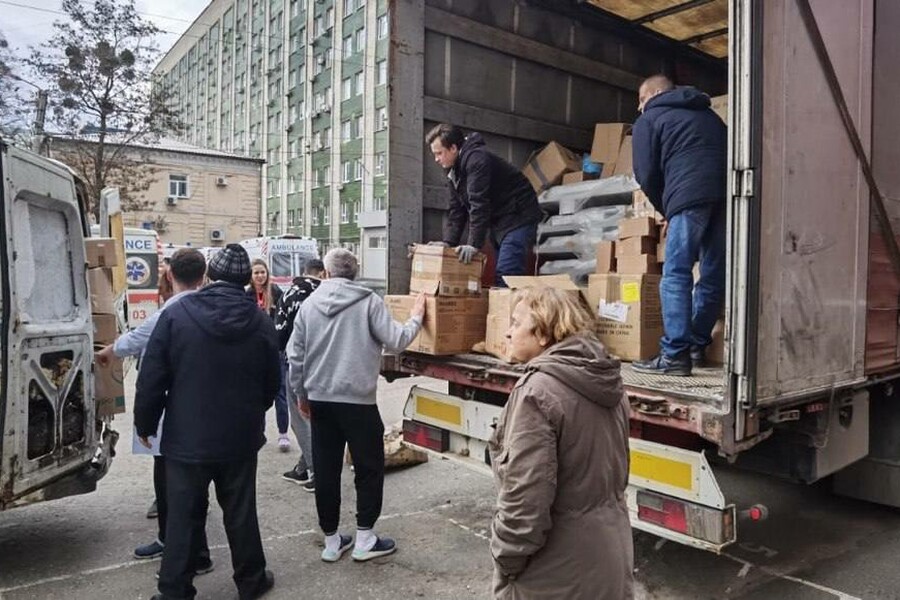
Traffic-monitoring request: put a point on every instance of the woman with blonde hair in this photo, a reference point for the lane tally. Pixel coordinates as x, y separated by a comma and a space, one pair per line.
266, 295
560, 460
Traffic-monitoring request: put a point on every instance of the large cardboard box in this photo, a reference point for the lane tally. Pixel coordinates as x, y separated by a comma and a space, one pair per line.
578, 176
638, 227
452, 324
606, 257
635, 246
100, 252
546, 168
624, 160
715, 352
109, 388
437, 271
720, 106
100, 282
629, 313
500, 307
607, 142
642, 263
105, 329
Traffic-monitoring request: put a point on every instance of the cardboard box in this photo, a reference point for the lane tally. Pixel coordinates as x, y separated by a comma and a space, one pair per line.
452, 324
715, 352
642, 263
606, 257
106, 329
638, 227
607, 141
629, 314
109, 388
624, 160
500, 306
100, 252
546, 168
100, 284
636, 246
437, 271
720, 107
578, 177
661, 251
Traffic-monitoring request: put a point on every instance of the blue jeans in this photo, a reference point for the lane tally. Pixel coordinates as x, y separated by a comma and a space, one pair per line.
694, 234
512, 252
282, 417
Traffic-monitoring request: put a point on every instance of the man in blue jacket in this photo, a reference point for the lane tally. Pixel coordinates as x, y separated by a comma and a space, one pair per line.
680, 163
488, 194
212, 366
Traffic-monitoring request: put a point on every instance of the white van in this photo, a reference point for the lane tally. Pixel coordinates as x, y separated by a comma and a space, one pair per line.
286, 256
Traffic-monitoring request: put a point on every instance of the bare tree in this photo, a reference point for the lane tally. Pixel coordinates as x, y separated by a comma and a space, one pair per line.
100, 60
13, 117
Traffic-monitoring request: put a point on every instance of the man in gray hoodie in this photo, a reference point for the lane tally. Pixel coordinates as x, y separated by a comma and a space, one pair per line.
334, 355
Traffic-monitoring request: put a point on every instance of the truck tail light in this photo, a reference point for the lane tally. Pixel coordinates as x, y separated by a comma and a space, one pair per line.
426, 436
695, 520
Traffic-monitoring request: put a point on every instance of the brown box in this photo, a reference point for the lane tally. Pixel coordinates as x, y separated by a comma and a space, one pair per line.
452, 324
643, 263
629, 313
623, 161
720, 106
437, 271
500, 307
661, 251
577, 177
607, 140
109, 388
635, 246
546, 168
606, 257
100, 252
638, 227
100, 284
106, 329
715, 352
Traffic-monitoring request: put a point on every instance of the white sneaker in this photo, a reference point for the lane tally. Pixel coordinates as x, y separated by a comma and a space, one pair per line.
332, 556
284, 444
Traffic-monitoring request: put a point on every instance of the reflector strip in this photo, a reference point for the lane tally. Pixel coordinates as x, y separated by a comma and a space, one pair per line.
663, 470
439, 411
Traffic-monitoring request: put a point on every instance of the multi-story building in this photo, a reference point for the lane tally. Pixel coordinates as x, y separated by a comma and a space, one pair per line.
301, 84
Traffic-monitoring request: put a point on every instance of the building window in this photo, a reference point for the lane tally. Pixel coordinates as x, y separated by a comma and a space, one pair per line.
346, 171
380, 163
359, 82
360, 38
348, 6
294, 147
379, 203
315, 216
292, 114
381, 119
346, 132
381, 70
358, 169
347, 46
178, 186
346, 89
377, 242
326, 137
357, 127
382, 26
329, 17
295, 8
326, 215
290, 219
345, 213
292, 80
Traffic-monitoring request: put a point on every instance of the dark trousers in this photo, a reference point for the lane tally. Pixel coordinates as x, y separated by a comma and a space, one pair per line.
512, 252
358, 426
162, 508
282, 415
188, 489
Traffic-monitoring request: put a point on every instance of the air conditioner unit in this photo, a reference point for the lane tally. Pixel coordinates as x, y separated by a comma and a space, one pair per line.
171, 201
339, 187
320, 59
216, 235
221, 181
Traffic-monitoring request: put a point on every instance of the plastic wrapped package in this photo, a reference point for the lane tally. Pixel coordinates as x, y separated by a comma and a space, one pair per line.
568, 199
580, 245
578, 270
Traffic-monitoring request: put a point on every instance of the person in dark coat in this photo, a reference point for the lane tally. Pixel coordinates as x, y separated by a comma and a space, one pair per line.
212, 365
679, 154
488, 194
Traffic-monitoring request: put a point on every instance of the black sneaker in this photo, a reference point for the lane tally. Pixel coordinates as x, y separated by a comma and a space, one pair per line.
267, 584
310, 486
698, 356
152, 550
295, 476
679, 366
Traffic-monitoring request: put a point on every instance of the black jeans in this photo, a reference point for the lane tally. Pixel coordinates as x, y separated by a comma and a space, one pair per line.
188, 489
162, 508
359, 426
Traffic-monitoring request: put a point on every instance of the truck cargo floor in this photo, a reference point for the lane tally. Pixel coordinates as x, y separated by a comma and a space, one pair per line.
704, 384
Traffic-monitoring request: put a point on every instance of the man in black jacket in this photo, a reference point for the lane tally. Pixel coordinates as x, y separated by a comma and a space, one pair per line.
489, 194
680, 162
212, 366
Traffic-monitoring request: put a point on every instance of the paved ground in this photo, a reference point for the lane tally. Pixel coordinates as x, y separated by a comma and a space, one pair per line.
814, 546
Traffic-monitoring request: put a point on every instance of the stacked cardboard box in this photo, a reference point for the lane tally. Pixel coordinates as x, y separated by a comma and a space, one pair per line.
629, 313
500, 307
547, 168
637, 246
456, 308
109, 386
609, 139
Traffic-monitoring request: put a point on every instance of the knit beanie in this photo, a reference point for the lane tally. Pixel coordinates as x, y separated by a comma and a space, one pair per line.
231, 264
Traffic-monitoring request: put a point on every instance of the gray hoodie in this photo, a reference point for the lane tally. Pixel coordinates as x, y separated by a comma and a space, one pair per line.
334, 352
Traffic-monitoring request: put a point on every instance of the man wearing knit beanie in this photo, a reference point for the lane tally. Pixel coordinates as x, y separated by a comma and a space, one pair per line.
212, 366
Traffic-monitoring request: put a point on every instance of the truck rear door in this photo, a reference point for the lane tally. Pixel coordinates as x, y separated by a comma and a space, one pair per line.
800, 207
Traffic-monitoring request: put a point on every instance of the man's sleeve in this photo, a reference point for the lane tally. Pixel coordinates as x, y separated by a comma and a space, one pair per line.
478, 185
284, 315
527, 487
273, 363
389, 333
647, 160
133, 342
154, 379
457, 217
296, 354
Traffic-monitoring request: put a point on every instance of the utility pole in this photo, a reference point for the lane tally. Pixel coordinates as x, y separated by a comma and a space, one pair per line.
40, 116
